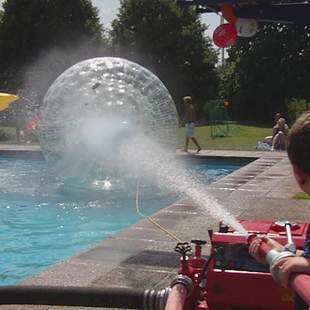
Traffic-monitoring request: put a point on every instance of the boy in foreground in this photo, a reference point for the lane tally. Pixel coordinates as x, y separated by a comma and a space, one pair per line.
298, 149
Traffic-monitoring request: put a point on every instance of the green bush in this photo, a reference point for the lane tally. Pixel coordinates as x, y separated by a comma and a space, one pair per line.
296, 107
5, 136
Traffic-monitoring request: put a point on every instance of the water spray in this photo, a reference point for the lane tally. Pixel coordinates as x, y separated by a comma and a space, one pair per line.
114, 116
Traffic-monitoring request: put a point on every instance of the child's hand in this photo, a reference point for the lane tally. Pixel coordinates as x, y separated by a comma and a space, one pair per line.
289, 265
254, 247
254, 250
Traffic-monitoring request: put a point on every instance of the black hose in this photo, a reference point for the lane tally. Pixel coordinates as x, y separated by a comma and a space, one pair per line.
72, 296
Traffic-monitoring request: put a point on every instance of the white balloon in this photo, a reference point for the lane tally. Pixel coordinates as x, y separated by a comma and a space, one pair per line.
246, 27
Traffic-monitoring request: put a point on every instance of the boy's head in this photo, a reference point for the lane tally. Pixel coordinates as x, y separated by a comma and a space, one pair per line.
298, 149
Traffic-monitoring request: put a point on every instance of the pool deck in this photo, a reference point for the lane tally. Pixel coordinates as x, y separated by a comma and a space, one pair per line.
143, 256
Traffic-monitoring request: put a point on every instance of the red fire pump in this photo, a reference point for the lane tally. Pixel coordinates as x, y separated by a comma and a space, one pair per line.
231, 278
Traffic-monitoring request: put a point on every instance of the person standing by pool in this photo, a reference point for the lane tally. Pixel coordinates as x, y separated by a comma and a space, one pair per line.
190, 118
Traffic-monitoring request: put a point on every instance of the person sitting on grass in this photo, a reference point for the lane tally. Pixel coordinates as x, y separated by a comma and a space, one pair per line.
268, 139
279, 134
298, 149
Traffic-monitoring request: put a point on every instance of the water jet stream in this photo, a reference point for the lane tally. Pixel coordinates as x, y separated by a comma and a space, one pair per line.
158, 165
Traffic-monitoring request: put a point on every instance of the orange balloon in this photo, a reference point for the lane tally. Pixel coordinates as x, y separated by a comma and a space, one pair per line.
229, 13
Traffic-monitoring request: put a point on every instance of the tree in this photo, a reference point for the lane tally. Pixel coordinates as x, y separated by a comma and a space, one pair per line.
41, 38
29, 26
170, 42
270, 69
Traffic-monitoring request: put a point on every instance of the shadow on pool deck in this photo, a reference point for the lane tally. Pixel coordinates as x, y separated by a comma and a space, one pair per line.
142, 256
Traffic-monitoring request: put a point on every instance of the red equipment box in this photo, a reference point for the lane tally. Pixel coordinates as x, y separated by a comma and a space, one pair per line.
236, 281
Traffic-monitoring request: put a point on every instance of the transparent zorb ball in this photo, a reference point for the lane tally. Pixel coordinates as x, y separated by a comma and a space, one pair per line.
99, 104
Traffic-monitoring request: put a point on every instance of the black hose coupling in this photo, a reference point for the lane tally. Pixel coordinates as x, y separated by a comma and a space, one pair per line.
155, 300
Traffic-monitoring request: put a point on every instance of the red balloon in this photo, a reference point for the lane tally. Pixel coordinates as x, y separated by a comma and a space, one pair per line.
225, 35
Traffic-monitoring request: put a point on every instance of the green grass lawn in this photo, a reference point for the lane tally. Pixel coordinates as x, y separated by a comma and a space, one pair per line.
302, 195
8, 129
239, 137
7, 134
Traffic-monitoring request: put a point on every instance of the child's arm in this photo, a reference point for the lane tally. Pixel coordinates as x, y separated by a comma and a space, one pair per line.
290, 265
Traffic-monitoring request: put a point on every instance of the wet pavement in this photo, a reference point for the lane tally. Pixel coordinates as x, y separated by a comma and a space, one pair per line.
143, 256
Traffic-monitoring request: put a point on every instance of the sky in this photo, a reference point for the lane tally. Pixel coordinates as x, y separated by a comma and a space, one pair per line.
109, 8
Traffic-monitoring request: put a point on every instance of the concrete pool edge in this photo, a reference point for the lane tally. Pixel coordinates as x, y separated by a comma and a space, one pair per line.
143, 257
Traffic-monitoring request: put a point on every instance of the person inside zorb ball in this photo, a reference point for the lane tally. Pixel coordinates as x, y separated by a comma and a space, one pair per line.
97, 104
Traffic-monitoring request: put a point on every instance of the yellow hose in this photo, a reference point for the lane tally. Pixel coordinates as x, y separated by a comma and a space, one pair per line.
174, 237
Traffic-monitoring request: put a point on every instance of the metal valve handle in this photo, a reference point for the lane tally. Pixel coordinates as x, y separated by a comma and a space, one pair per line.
183, 248
290, 246
199, 242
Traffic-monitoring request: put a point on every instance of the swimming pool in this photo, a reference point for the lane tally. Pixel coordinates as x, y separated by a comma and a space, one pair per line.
41, 223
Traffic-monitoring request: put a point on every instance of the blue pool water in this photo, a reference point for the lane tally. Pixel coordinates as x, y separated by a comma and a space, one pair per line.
41, 223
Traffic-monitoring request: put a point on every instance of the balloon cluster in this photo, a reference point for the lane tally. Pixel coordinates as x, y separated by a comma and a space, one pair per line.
226, 34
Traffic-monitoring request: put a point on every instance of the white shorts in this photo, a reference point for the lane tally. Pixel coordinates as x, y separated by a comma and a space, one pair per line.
190, 128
